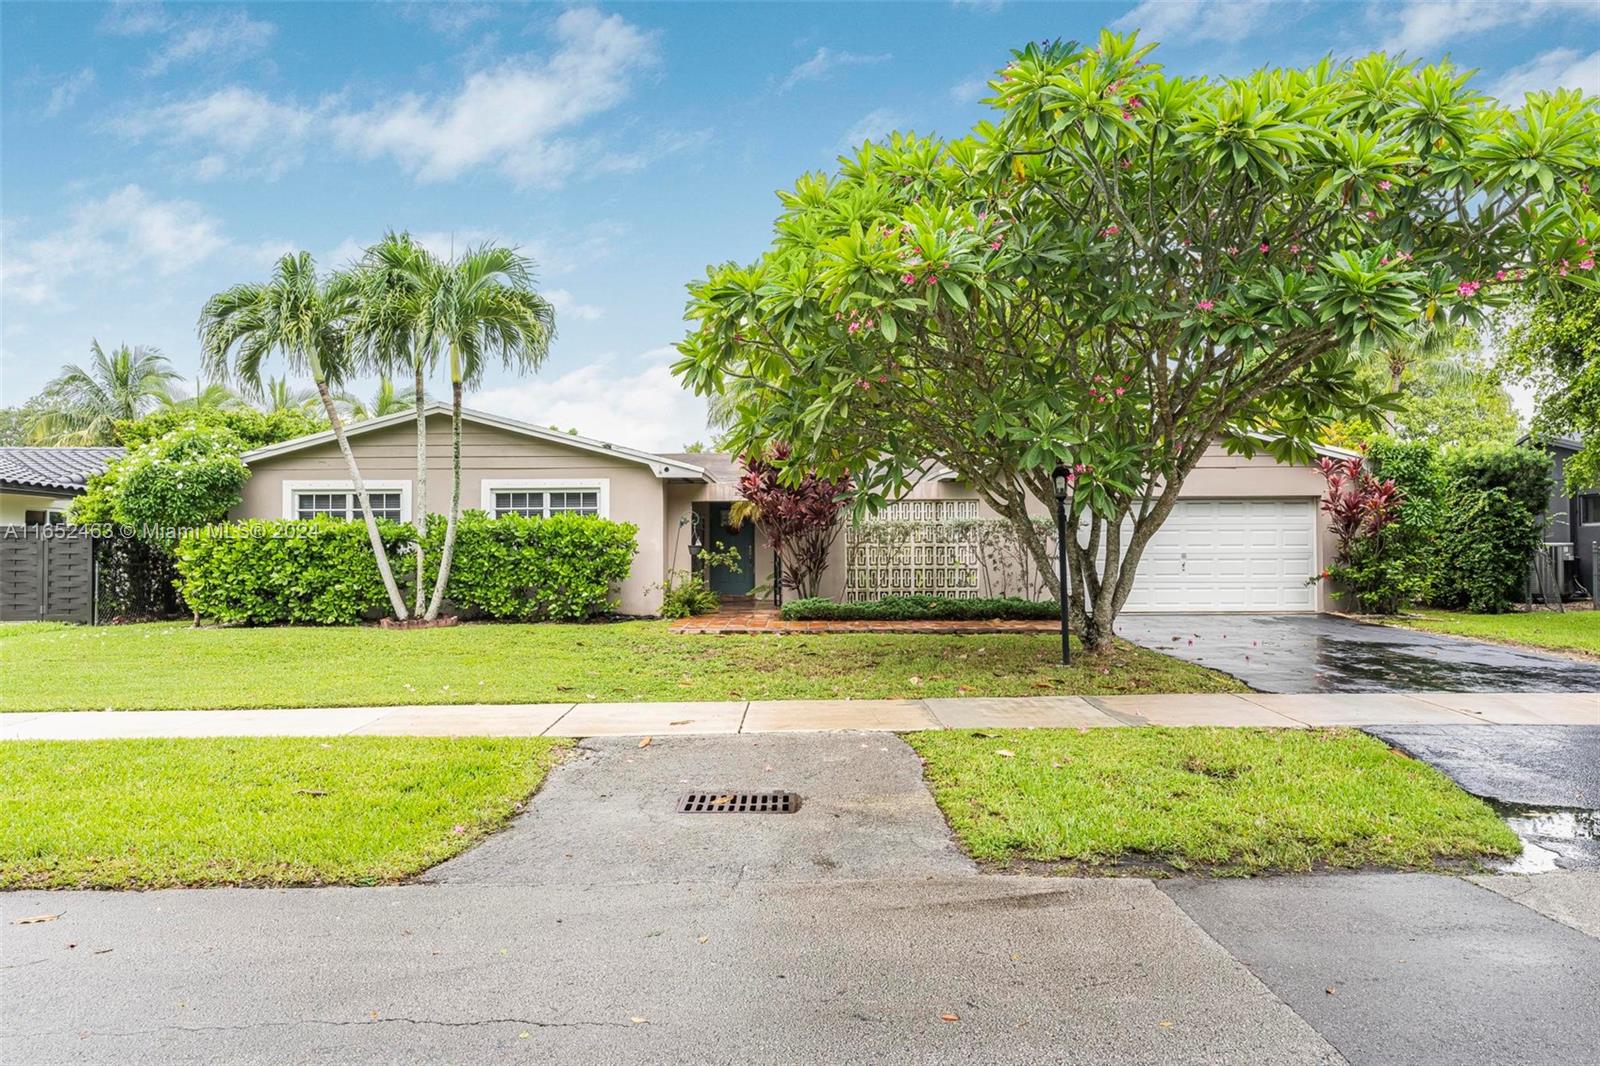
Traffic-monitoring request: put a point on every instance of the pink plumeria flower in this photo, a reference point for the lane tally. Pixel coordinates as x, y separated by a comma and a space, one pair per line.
994, 245
1120, 390
1294, 249
1204, 305
909, 279
1385, 185
1499, 275
1587, 264
1263, 248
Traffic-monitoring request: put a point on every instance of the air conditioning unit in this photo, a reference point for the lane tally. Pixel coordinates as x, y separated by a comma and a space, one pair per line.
1554, 571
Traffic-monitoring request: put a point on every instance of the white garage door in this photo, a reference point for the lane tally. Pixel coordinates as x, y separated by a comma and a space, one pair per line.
1230, 555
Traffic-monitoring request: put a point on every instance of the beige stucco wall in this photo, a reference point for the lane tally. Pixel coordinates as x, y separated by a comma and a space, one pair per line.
14, 506
1217, 475
634, 494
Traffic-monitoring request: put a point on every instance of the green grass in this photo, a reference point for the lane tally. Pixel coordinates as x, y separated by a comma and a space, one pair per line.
45, 667
1567, 631
1236, 801
252, 811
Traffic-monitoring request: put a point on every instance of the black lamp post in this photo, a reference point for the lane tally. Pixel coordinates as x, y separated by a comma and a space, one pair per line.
1059, 477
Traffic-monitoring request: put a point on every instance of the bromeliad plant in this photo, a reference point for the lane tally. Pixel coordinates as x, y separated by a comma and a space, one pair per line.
1125, 268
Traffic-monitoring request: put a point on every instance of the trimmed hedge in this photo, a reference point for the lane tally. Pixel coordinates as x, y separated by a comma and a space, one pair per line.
914, 608
261, 572
321, 571
558, 569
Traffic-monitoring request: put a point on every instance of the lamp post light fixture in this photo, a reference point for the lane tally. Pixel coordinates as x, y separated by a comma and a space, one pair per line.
1060, 477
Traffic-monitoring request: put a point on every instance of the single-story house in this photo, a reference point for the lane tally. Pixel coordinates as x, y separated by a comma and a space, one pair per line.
38, 484
1572, 532
1246, 534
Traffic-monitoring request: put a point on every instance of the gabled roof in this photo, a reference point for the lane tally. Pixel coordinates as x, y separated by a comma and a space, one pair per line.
720, 467
661, 466
53, 469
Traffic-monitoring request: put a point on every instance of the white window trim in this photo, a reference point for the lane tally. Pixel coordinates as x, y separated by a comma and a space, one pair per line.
489, 486
293, 488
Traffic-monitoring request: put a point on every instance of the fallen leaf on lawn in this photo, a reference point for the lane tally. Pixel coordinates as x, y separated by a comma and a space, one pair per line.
913, 680
37, 918
986, 733
645, 743
949, 1017
310, 792
1005, 753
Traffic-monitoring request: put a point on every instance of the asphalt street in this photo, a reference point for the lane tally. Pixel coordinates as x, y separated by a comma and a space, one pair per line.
604, 928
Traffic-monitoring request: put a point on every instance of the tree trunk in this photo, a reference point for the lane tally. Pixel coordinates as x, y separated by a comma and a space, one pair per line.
395, 599
449, 551
419, 506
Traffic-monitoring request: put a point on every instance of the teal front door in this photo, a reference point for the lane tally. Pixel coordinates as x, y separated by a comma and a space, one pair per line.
724, 580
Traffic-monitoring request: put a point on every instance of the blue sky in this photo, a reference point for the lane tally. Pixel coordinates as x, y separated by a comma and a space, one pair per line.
151, 154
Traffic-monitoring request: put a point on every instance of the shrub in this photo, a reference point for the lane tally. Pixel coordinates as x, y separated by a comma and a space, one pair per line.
1361, 508
254, 429
913, 608
534, 569
1492, 524
258, 572
184, 479
688, 592
1404, 571
801, 521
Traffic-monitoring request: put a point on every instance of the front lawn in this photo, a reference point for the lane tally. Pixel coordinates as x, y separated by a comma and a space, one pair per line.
167, 666
1235, 801
1566, 631
252, 811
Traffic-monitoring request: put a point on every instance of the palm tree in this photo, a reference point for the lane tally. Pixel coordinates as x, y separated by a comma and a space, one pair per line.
479, 306
304, 319
387, 400
83, 404
213, 397
276, 395
394, 276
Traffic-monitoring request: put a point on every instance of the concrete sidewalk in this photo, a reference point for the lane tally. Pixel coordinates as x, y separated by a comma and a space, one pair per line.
783, 716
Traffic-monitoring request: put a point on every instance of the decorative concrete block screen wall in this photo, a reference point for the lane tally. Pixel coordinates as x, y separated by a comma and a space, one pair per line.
913, 547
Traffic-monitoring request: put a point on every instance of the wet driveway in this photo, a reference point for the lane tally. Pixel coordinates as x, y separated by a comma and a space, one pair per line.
1325, 653
1544, 779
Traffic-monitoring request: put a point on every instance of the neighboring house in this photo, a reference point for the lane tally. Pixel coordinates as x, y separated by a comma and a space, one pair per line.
1573, 518
1246, 534
38, 484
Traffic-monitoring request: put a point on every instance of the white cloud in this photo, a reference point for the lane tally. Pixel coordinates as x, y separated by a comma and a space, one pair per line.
1422, 26
645, 409
128, 233
216, 38
568, 307
511, 116
970, 91
235, 128
873, 126
449, 17
1199, 20
824, 62
65, 92
1559, 68
134, 18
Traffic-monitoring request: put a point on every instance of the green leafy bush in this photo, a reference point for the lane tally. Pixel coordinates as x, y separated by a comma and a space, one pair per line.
258, 572
254, 429
557, 569
1399, 570
914, 608
186, 478
687, 594
1492, 523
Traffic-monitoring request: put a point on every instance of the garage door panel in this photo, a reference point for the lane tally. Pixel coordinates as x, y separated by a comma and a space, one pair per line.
1230, 555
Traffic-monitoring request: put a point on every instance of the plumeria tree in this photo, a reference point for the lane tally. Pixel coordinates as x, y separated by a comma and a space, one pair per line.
1125, 268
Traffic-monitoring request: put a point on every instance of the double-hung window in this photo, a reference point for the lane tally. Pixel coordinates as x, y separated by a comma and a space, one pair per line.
542, 500
340, 501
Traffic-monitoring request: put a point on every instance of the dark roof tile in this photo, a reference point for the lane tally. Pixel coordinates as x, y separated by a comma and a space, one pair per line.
63, 469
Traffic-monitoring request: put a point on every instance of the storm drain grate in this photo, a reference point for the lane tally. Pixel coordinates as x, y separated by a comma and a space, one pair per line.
730, 802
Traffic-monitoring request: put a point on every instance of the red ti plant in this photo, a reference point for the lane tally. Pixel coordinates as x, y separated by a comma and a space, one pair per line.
1359, 505
801, 521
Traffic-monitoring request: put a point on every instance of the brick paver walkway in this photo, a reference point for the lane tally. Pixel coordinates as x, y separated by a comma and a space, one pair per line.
766, 620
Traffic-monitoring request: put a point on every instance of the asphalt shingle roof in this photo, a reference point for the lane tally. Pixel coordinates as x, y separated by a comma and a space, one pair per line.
723, 468
64, 469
